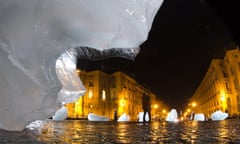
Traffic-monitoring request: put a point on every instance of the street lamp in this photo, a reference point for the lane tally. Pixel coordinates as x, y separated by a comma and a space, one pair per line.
194, 104
155, 106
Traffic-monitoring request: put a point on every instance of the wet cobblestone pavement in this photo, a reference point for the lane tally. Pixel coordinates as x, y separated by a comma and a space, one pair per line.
78, 132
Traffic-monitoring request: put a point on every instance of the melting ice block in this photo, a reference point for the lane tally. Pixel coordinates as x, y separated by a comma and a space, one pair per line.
94, 117
124, 118
140, 117
199, 117
35, 33
172, 116
219, 115
60, 114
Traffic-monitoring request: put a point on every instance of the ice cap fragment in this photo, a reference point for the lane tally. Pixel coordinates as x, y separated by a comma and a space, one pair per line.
35, 33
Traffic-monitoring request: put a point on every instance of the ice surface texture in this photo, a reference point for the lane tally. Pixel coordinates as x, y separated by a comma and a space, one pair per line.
199, 117
124, 118
172, 116
219, 115
35, 33
60, 114
94, 117
140, 117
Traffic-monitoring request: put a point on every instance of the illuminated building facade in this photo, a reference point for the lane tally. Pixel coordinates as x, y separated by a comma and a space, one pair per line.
219, 89
107, 94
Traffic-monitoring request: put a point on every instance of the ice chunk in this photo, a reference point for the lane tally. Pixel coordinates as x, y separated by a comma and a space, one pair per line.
199, 117
35, 33
124, 118
219, 115
140, 117
94, 117
61, 114
35, 125
172, 116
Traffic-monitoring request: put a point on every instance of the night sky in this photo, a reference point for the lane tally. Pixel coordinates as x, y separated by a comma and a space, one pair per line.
185, 36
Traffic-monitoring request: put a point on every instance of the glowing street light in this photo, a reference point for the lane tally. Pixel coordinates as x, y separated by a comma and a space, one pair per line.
155, 106
164, 111
194, 104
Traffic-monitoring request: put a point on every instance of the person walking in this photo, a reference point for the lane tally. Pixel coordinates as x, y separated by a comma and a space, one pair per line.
146, 107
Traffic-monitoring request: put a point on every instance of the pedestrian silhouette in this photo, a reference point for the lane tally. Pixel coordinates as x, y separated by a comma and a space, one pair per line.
146, 107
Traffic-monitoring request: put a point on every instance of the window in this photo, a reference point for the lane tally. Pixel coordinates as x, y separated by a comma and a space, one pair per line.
227, 85
114, 95
224, 73
238, 103
236, 84
90, 94
232, 71
90, 83
113, 83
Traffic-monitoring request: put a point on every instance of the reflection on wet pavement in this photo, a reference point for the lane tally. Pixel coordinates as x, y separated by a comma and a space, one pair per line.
75, 132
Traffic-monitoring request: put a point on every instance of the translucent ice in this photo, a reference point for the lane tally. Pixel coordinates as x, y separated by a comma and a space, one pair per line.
35, 33
60, 114
219, 115
124, 118
172, 116
140, 117
94, 117
199, 117
35, 125
72, 86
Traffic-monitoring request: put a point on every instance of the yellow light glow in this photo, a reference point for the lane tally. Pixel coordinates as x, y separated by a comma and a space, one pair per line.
121, 106
103, 95
188, 110
164, 111
223, 99
155, 106
194, 104
78, 71
185, 114
90, 94
122, 102
78, 107
182, 118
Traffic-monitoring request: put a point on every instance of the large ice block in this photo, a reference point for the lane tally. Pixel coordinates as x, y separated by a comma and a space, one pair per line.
35, 33
199, 117
94, 117
172, 116
60, 114
219, 115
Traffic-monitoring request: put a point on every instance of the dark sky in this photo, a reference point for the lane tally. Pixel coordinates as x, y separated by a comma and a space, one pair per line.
185, 36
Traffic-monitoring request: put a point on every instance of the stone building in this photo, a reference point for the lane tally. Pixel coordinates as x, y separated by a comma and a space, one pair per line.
219, 89
107, 94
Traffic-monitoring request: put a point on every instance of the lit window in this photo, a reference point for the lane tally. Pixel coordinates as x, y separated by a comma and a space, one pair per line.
90, 94
103, 95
